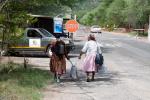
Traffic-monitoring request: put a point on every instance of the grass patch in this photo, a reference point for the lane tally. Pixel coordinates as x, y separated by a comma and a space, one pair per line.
145, 34
17, 83
133, 33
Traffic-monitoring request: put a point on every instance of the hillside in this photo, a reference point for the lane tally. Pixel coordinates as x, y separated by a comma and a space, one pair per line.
84, 6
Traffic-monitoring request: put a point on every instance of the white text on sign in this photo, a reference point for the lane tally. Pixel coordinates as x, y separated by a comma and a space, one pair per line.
72, 25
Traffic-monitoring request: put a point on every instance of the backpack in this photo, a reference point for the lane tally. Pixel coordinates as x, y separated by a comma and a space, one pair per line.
60, 49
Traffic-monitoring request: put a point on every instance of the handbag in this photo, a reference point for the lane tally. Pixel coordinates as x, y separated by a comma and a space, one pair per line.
99, 59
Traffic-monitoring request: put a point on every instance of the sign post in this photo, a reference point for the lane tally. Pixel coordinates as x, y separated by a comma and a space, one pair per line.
72, 26
149, 34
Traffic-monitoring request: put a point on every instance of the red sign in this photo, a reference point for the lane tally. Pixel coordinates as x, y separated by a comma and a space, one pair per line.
72, 26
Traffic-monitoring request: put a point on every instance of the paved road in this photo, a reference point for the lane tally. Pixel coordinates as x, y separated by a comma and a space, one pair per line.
127, 76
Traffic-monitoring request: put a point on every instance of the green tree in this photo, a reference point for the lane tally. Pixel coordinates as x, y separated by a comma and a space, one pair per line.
99, 14
137, 13
114, 15
121, 13
14, 13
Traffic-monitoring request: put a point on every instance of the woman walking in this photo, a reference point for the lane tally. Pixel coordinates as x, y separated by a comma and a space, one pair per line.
58, 62
91, 47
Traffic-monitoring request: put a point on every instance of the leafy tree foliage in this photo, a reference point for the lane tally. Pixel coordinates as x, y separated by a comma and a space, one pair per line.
84, 7
119, 13
114, 12
137, 12
14, 13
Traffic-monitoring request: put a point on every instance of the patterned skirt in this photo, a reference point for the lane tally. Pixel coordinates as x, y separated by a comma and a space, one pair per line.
58, 65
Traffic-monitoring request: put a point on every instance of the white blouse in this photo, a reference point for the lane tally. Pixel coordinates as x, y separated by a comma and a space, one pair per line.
91, 47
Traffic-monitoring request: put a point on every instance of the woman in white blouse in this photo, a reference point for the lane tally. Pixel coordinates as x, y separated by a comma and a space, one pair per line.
90, 48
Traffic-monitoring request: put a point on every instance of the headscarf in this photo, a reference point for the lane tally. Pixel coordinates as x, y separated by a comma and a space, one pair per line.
91, 37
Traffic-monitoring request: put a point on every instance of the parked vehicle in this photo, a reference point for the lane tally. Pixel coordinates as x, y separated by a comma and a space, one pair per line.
37, 40
95, 29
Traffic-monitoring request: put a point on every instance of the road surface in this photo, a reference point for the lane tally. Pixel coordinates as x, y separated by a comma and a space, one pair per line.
127, 77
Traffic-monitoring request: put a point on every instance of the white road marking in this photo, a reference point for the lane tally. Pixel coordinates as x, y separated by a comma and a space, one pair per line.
113, 45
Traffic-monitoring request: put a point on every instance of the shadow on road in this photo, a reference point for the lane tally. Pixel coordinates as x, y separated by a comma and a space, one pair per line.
33, 56
108, 78
42, 56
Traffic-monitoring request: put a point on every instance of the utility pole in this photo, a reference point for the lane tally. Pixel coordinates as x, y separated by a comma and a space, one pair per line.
75, 17
149, 29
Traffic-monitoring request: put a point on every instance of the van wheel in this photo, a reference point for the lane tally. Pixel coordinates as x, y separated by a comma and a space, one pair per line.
12, 53
49, 52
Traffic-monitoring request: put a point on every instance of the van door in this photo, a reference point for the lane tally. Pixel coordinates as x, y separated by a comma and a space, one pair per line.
32, 41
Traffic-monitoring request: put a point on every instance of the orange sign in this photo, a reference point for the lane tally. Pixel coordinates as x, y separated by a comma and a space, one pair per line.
72, 26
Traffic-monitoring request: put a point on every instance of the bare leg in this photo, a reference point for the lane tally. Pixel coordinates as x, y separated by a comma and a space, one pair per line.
88, 78
58, 77
97, 67
93, 74
55, 76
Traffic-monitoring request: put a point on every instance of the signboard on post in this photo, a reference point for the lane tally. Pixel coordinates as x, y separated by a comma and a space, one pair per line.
58, 24
72, 26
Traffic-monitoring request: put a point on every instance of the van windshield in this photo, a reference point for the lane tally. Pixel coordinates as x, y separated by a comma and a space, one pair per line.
46, 33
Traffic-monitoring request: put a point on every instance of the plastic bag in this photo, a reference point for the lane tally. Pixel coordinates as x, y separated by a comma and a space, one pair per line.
102, 69
73, 71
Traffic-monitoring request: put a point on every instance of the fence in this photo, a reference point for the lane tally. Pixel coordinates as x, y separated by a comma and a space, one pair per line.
139, 31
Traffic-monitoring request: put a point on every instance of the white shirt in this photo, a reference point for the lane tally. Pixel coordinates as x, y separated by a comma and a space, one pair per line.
91, 47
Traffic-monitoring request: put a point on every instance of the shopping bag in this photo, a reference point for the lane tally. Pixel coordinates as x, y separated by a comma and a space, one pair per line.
102, 69
73, 71
99, 59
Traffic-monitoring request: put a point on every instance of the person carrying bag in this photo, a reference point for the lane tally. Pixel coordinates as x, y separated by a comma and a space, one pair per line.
90, 51
58, 59
99, 59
